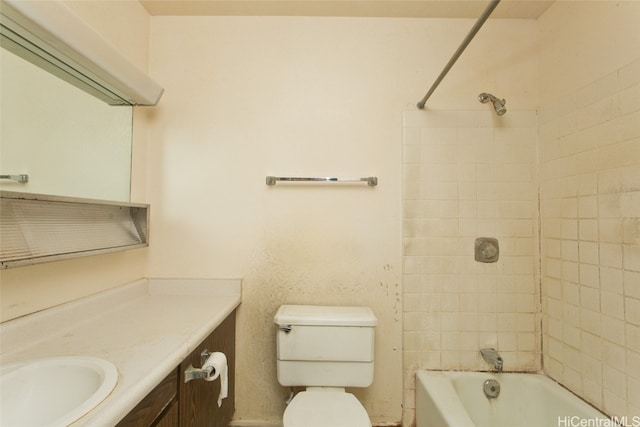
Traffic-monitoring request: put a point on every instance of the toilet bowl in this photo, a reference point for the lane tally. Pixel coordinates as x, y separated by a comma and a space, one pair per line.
325, 408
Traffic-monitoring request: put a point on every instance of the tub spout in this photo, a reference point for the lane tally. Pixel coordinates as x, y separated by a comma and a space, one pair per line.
491, 356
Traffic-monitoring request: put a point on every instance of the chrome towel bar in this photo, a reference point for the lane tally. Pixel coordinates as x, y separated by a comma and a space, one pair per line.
22, 179
371, 181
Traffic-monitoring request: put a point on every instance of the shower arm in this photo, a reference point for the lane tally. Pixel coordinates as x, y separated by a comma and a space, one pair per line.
476, 27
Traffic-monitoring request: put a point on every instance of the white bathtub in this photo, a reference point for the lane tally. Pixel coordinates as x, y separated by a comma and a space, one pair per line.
457, 399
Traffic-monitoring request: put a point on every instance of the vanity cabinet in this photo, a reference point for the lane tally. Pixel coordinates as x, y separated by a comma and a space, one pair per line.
174, 403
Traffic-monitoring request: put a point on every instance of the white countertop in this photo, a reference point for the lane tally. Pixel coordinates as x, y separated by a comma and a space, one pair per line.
145, 328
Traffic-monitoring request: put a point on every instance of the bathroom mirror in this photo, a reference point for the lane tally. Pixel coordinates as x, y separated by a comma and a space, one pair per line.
67, 141
66, 97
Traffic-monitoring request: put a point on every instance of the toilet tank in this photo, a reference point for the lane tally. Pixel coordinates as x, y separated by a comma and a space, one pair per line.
325, 346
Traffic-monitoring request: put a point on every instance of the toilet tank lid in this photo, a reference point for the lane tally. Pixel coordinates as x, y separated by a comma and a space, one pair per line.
325, 315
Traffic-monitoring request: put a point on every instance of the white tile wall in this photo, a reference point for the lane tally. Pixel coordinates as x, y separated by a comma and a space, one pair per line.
470, 174
590, 215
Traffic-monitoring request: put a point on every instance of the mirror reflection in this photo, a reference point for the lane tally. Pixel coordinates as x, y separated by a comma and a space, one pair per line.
68, 142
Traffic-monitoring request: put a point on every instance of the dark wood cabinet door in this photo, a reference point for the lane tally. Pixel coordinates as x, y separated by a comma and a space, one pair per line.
198, 399
170, 418
155, 406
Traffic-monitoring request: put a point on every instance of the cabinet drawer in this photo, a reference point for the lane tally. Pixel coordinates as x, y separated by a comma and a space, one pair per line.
152, 407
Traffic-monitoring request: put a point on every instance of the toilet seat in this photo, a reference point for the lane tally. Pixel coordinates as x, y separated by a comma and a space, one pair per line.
324, 409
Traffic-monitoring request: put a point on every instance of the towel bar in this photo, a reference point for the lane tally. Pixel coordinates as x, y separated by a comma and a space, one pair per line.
372, 181
22, 179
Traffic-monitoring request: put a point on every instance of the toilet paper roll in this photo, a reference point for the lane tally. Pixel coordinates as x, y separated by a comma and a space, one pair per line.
218, 361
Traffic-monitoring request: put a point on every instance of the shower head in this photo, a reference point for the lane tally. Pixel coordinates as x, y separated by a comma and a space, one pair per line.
498, 104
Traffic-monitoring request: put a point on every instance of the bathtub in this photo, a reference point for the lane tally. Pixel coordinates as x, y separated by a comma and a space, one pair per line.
457, 399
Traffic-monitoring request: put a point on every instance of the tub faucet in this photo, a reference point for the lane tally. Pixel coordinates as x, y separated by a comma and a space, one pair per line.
491, 356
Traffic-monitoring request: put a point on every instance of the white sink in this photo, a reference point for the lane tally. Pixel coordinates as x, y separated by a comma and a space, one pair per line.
53, 391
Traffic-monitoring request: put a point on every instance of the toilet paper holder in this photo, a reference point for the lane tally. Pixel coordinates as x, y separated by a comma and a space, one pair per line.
192, 373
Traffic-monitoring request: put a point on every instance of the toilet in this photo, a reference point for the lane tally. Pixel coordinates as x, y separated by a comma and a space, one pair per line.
325, 349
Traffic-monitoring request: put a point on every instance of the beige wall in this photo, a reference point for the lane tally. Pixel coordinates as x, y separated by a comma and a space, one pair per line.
25, 290
590, 200
250, 97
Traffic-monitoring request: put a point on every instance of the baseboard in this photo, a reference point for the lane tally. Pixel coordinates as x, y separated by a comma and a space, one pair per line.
260, 423
254, 423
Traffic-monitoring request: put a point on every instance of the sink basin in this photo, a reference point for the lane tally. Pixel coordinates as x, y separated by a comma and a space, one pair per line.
54, 391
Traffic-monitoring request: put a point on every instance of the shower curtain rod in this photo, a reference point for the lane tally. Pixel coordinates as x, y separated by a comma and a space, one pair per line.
485, 15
